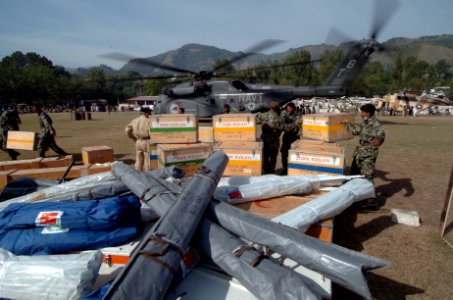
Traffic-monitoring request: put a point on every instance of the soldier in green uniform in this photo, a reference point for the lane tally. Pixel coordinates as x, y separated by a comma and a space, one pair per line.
9, 120
371, 136
47, 135
291, 132
271, 130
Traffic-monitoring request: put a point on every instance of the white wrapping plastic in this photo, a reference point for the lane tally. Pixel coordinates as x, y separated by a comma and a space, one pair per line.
328, 205
50, 277
65, 190
244, 189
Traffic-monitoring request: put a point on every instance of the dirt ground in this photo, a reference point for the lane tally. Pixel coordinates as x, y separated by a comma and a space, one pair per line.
413, 172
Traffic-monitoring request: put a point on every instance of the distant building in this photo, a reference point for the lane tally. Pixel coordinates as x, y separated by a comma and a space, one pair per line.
137, 102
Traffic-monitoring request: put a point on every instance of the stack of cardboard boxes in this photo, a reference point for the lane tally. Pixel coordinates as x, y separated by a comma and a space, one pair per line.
236, 135
174, 142
317, 152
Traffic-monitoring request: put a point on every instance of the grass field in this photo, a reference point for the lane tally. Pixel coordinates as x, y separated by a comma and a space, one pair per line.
412, 173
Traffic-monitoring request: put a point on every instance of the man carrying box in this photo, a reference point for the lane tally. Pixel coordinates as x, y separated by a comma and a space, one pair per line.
9, 120
48, 133
138, 131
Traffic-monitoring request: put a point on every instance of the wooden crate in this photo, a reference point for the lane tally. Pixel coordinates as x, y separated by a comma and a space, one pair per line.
22, 140
189, 157
206, 134
234, 127
273, 207
52, 173
174, 128
245, 158
97, 154
316, 159
326, 127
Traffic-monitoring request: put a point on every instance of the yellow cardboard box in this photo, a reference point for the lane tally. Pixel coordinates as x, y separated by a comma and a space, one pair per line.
206, 134
97, 154
316, 159
245, 158
22, 140
188, 157
326, 127
234, 127
174, 128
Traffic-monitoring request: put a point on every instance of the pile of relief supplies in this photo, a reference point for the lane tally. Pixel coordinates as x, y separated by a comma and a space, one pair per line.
50, 235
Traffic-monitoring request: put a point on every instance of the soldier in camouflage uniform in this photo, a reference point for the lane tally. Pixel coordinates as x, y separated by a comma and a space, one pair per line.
371, 137
291, 132
271, 129
47, 135
9, 120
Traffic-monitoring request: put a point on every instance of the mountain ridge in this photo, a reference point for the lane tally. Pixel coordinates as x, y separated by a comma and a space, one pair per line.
197, 57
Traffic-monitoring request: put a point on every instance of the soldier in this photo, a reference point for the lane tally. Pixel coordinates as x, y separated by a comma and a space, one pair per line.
47, 135
9, 120
138, 131
365, 154
226, 109
291, 132
272, 125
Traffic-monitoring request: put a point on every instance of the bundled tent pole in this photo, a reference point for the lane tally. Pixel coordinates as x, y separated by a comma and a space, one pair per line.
165, 245
262, 276
341, 265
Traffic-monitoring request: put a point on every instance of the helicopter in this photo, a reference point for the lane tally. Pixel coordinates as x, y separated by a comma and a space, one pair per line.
205, 97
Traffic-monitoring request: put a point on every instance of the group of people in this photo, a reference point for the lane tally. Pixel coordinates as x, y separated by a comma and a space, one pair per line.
370, 132
10, 121
273, 123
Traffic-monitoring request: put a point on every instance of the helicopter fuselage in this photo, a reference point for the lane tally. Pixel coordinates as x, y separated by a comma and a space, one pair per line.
239, 96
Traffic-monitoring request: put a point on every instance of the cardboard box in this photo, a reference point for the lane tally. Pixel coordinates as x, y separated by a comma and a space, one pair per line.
188, 157
97, 154
174, 128
300, 142
316, 159
273, 207
245, 158
206, 134
153, 155
234, 127
22, 140
326, 127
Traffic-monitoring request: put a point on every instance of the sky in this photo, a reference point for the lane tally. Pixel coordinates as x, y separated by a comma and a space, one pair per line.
74, 33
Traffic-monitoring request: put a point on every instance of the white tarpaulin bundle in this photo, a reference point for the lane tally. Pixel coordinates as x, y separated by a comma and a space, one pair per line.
71, 190
328, 205
50, 277
245, 189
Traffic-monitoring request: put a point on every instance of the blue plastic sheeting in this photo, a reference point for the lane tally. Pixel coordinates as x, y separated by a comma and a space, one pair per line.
86, 215
32, 239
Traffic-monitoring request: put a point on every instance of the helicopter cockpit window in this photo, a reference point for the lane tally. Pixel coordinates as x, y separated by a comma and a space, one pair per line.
239, 85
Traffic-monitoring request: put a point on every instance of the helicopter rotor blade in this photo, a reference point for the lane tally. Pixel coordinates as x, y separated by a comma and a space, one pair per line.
232, 73
127, 58
251, 51
383, 12
336, 37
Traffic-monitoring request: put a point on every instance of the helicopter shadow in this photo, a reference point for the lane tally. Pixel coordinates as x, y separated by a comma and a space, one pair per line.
393, 289
392, 187
351, 236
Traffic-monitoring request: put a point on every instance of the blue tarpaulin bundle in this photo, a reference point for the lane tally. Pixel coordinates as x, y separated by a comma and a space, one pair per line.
58, 227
